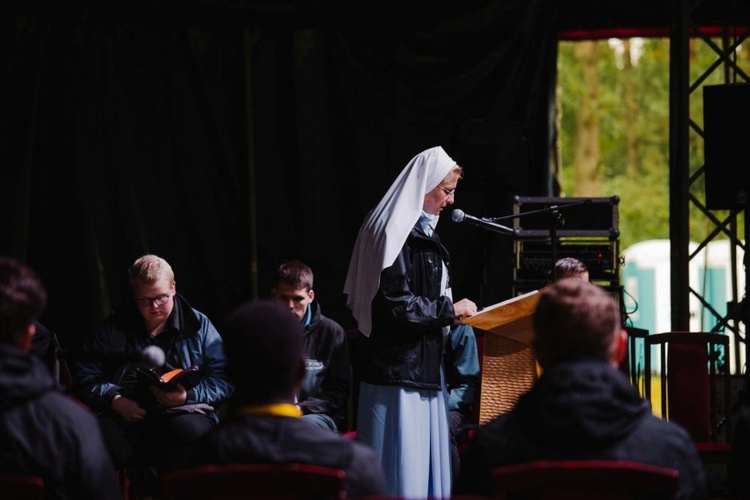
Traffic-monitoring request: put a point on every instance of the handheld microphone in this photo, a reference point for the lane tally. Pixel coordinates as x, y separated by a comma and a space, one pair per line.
152, 356
459, 216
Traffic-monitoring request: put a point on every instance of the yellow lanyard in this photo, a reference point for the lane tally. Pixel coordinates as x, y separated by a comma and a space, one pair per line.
277, 410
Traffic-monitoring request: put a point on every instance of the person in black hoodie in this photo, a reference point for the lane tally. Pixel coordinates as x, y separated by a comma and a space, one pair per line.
265, 349
324, 393
43, 432
582, 407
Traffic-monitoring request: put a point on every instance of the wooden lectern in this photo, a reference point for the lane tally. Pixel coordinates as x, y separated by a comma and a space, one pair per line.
509, 366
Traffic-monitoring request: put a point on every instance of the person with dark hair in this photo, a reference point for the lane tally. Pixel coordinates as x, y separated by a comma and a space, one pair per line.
43, 432
581, 407
570, 267
149, 429
324, 393
265, 348
398, 288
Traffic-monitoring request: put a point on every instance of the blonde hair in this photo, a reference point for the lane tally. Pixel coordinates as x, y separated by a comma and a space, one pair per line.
149, 269
457, 170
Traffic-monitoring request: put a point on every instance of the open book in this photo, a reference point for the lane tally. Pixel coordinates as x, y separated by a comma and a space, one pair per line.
510, 318
187, 377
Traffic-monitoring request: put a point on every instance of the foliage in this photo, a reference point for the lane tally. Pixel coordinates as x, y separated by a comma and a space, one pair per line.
633, 155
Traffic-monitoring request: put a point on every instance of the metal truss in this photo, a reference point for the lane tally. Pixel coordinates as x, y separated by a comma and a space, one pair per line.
686, 188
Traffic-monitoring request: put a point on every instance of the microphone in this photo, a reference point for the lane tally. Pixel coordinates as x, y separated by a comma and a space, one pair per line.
152, 357
459, 216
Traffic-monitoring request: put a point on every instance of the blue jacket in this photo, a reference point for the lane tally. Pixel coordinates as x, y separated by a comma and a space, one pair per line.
110, 356
462, 372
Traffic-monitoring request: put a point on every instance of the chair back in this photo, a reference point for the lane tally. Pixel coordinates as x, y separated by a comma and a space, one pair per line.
584, 479
690, 381
266, 480
688, 395
21, 487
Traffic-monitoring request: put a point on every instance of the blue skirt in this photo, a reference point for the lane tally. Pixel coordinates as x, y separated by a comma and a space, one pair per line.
408, 429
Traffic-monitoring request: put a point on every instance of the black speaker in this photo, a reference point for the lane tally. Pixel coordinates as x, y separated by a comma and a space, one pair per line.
726, 144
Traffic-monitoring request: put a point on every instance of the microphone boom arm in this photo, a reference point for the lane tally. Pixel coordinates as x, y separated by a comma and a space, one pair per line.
488, 224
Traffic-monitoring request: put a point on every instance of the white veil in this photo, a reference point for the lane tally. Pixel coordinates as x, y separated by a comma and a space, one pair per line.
386, 227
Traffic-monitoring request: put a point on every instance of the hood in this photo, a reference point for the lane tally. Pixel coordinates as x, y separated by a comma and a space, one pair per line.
267, 438
581, 402
23, 377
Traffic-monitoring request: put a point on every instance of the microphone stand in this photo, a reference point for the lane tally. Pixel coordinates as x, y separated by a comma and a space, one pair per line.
556, 220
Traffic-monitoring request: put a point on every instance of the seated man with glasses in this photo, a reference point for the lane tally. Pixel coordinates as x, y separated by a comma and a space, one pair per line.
149, 429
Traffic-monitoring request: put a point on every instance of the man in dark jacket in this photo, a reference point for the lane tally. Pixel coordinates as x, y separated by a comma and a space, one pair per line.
582, 407
267, 361
146, 426
324, 393
42, 431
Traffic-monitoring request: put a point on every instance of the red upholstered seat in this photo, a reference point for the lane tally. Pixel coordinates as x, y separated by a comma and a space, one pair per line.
261, 481
584, 479
21, 487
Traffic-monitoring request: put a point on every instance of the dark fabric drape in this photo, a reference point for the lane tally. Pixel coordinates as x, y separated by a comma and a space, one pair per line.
228, 143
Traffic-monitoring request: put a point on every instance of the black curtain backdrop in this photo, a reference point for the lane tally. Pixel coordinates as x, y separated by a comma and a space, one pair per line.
230, 140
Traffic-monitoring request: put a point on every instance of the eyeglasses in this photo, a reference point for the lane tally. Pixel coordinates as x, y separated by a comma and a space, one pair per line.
448, 192
159, 300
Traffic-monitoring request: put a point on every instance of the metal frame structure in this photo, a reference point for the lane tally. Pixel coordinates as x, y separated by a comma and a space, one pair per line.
686, 188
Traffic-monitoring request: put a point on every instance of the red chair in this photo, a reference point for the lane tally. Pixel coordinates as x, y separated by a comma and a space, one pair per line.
262, 481
21, 487
694, 393
584, 479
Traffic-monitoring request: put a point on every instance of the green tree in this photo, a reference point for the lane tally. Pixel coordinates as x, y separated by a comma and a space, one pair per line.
613, 102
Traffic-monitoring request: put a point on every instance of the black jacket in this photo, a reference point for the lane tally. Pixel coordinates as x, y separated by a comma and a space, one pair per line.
278, 439
46, 433
408, 314
325, 388
582, 410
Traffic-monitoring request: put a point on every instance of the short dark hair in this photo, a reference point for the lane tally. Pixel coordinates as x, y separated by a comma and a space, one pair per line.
575, 319
22, 299
569, 265
295, 274
264, 349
